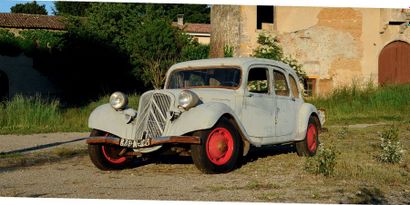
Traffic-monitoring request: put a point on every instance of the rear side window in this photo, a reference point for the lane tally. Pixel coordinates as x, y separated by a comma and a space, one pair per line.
294, 87
258, 80
281, 86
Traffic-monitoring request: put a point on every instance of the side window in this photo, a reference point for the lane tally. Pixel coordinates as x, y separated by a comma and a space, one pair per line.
294, 87
258, 80
281, 87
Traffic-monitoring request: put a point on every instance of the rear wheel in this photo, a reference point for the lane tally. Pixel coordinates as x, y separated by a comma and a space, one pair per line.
106, 156
220, 148
310, 144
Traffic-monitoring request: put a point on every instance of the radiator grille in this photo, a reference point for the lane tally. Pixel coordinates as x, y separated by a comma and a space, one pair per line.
152, 116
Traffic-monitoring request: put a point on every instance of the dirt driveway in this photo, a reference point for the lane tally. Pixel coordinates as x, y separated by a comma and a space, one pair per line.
271, 174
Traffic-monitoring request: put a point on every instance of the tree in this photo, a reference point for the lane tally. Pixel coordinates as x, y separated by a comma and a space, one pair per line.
29, 8
71, 8
143, 32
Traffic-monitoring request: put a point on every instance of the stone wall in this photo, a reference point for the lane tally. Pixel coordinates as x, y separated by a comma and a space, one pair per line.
337, 46
23, 78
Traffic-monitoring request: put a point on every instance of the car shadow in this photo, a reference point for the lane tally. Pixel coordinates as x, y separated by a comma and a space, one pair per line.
256, 153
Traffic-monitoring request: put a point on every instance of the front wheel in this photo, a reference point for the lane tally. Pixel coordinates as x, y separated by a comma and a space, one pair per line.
310, 144
220, 148
106, 156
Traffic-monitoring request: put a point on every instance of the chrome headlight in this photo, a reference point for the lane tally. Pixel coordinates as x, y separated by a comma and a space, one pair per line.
187, 99
118, 100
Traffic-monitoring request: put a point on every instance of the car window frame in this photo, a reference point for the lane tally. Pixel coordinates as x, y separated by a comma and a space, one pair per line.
270, 77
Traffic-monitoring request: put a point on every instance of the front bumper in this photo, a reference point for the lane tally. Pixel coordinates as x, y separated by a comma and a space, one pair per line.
143, 143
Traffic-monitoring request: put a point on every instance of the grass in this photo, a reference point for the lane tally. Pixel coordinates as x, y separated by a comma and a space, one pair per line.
347, 105
23, 115
359, 177
365, 104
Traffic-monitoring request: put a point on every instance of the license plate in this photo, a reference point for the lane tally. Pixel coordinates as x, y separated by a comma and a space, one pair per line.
134, 143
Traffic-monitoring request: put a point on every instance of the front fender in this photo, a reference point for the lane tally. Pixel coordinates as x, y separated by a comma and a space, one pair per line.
201, 117
305, 112
107, 119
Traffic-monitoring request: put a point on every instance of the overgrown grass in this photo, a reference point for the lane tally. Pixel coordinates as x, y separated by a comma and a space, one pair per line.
365, 104
23, 115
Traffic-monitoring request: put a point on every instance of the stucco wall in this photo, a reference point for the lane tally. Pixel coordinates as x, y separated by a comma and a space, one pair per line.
337, 46
23, 78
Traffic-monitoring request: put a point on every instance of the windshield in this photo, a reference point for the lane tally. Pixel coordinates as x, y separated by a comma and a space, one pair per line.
205, 77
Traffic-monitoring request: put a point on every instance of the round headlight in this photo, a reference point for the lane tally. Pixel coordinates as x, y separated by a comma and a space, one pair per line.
118, 100
187, 99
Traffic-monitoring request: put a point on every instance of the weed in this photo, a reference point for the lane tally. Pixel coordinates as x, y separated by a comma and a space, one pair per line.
324, 162
343, 132
391, 150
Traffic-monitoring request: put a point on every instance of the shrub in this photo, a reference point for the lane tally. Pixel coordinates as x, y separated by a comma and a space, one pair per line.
269, 48
391, 150
228, 51
324, 162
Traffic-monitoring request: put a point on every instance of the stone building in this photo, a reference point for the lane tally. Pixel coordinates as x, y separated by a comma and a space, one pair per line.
335, 45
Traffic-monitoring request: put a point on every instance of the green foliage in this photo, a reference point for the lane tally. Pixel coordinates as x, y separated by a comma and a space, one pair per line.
324, 162
44, 39
71, 8
269, 48
194, 51
365, 103
143, 32
29, 8
30, 41
391, 150
228, 51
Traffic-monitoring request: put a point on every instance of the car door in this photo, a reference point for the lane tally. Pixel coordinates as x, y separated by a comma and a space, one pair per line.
258, 104
285, 114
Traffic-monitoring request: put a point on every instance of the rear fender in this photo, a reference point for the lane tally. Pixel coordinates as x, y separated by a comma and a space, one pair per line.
305, 112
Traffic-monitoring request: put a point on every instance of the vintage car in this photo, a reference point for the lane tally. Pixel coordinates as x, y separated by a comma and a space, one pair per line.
213, 110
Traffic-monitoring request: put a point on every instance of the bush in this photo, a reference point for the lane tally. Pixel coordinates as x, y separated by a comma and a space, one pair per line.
324, 162
194, 51
269, 48
391, 150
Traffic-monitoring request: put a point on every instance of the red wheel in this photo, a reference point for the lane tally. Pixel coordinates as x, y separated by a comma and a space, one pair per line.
105, 156
309, 145
111, 154
220, 150
219, 146
311, 136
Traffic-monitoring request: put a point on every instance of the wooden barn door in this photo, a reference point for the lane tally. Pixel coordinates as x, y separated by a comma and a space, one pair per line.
394, 63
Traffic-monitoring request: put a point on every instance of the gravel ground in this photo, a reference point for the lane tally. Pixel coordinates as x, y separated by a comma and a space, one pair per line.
267, 175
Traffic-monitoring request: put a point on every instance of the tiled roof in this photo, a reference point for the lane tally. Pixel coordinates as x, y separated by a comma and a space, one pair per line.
194, 27
31, 21
34, 21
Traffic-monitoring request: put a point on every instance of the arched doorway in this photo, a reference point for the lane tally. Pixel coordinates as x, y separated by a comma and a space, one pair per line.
394, 63
4, 86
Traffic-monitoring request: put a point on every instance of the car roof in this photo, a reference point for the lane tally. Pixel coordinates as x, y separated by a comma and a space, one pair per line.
242, 62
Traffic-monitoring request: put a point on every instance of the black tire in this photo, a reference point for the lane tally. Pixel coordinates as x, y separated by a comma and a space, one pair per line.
223, 140
309, 145
104, 156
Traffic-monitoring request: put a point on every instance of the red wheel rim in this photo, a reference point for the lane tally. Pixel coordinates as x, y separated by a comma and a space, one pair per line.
219, 146
311, 138
111, 153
